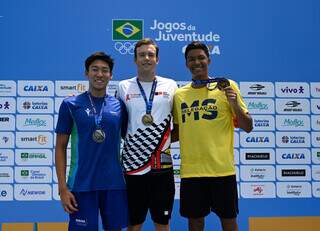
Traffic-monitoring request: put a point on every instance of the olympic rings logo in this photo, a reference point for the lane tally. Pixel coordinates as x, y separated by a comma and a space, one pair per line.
125, 48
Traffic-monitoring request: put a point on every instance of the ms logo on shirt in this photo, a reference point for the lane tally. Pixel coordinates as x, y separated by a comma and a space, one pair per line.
205, 109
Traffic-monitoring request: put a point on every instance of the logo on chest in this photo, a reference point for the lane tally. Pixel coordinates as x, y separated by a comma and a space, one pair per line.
207, 108
164, 94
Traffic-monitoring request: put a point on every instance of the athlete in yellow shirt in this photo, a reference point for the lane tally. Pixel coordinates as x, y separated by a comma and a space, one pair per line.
205, 114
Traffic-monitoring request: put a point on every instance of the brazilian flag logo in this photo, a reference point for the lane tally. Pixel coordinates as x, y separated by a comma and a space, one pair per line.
24, 173
24, 155
127, 29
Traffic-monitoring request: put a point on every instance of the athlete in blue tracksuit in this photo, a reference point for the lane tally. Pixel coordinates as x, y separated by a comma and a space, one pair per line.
95, 122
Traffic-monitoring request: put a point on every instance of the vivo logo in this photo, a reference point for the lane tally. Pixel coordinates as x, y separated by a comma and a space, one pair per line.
300, 90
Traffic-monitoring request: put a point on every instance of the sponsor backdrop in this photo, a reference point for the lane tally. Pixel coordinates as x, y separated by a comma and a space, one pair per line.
268, 47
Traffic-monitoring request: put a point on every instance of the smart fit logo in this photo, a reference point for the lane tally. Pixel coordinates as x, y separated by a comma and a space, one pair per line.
127, 29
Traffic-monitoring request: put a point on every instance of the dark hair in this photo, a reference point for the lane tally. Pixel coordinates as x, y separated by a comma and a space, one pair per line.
145, 41
196, 45
100, 55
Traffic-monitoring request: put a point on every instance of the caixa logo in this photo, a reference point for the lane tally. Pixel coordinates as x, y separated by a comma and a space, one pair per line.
35, 88
293, 139
257, 139
263, 122
176, 156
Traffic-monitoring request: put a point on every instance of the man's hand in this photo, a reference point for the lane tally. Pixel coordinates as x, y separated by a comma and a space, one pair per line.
232, 97
68, 201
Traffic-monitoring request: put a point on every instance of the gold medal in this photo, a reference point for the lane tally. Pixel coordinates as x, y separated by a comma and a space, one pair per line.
147, 119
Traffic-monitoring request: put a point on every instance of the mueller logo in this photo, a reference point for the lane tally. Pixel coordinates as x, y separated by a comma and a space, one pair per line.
293, 156
257, 139
293, 172
293, 104
257, 156
5, 139
4, 105
257, 106
299, 90
4, 119
256, 87
257, 90
40, 88
208, 109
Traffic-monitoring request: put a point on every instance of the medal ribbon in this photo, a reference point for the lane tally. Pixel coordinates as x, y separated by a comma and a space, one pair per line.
197, 82
152, 93
97, 117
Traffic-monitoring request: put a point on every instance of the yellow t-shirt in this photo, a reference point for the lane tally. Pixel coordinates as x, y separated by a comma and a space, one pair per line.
206, 131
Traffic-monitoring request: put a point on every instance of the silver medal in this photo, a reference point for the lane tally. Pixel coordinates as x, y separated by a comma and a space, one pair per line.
98, 136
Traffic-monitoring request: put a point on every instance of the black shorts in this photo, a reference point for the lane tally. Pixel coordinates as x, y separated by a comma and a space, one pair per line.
154, 191
199, 196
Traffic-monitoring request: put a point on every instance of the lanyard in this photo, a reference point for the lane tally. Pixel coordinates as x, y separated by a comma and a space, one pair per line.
221, 82
197, 82
152, 93
97, 117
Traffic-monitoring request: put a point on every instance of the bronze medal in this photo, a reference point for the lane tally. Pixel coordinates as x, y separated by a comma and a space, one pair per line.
223, 83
